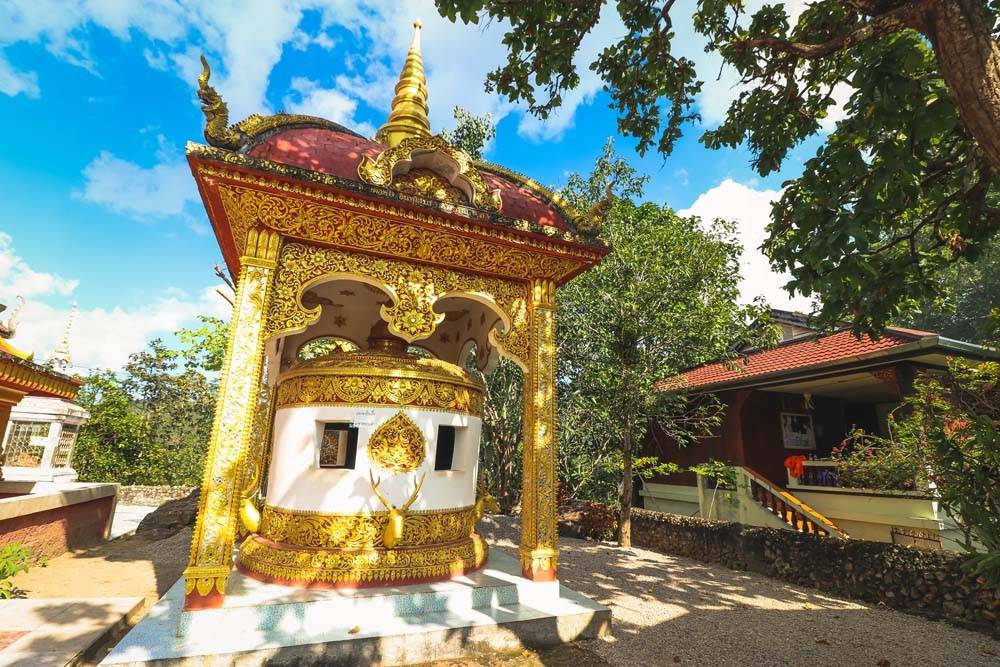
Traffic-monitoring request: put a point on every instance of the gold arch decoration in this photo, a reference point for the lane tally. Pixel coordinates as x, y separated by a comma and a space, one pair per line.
393, 163
398, 445
415, 288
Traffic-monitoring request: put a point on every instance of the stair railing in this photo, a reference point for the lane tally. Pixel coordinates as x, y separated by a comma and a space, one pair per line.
792, 511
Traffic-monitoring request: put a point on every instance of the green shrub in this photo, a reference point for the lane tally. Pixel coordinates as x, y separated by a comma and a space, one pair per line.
14, 558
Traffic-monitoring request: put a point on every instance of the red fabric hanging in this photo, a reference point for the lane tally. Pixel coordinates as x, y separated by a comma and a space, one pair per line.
796, 465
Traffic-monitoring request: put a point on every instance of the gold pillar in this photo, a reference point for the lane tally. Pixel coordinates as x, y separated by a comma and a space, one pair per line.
235, 415
539, 551
8, 399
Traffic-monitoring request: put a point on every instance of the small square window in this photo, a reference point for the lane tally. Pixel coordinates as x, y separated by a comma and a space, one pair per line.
444, 459
338, 446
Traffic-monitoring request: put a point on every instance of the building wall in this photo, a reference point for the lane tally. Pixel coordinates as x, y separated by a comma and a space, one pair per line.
57, 530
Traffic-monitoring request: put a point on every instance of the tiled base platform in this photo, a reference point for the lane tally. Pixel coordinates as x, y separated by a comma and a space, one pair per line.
58, 632
491, 610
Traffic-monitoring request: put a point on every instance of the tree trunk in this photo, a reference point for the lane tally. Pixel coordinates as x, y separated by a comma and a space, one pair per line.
625, 520
969, 59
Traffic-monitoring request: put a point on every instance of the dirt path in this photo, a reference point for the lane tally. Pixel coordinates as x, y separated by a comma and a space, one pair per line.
667, 610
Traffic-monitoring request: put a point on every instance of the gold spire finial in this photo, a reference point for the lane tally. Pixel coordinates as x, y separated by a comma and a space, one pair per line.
408, 117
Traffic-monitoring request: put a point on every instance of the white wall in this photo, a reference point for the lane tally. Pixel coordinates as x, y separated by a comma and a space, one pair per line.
297, 482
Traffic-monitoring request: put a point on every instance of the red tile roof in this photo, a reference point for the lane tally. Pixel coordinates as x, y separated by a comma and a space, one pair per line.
339, 154
840, 347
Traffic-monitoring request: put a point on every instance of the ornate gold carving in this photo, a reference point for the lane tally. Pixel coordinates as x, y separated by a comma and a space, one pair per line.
538, 513
586, 250
379, 384
397, 445
416, 288
255, 125
361, 232
299, 565
396, 161
363, 531
422, 181
235, 413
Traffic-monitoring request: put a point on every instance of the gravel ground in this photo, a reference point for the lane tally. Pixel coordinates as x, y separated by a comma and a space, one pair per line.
666, 610
669, 610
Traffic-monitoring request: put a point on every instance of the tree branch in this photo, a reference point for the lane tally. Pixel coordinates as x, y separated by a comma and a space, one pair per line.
892, 21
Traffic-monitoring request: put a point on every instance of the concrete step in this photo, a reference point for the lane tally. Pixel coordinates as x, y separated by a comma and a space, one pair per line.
495, 611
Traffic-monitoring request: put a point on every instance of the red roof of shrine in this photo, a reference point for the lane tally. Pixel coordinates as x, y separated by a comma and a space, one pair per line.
329, 151
837, 348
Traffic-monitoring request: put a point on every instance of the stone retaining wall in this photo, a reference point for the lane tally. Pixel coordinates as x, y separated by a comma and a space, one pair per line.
151, 496
925, 582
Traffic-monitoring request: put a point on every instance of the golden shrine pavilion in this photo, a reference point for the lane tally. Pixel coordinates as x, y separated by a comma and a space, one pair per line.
406, 257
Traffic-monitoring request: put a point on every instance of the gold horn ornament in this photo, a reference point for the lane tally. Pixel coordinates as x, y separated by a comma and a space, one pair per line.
397, 516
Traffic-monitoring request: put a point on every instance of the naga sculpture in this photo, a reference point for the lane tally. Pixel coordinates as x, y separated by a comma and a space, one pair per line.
217, 130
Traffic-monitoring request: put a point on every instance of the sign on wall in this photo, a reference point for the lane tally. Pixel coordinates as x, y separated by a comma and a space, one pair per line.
797, 431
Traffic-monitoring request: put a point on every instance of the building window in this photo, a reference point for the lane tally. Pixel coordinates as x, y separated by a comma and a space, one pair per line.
444, 459
26, 444
63, 454
338, 446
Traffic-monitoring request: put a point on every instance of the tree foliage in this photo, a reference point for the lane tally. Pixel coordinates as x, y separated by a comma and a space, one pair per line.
903, 187
953, 426
471, 133
150, 423
968, 305
664, 299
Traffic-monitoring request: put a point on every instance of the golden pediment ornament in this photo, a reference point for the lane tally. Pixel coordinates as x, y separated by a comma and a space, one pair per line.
392, 166
397, 445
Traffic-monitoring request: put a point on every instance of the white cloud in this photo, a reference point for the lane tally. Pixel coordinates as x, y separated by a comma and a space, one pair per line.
19, 279
751, 210
101, 337
141, 192
13, 82
328, 103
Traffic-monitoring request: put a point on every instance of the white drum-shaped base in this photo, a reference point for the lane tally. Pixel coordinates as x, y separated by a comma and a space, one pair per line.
296, 481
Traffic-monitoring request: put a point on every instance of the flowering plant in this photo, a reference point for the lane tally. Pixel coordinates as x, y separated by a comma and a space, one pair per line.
868, 462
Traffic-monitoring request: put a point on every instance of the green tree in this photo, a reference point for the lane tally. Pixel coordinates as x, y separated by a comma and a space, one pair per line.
953, 427
663, 300
150, 423
502, 436
471, 133
903, 187
968, 305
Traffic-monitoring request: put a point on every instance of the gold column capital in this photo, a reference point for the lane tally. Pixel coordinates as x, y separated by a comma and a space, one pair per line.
262, 248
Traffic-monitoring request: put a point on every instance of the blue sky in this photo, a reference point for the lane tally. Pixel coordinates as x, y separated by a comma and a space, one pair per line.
98, 99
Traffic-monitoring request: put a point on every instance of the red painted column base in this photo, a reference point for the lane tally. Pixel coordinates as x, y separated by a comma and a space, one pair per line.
546, 574
195, 600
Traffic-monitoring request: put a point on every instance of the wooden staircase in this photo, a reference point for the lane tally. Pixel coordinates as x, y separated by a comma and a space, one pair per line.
787, 508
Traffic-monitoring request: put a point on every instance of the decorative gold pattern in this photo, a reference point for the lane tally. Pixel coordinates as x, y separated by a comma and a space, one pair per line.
394, 162
585, 250
538, 513
415, 287
397, 445
363, 531
362, 232
235, 416
360, 566
363, 378
422, 181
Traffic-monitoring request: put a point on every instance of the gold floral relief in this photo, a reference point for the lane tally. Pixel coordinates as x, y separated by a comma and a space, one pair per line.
236, 415
369, 390
384, 169
416, 287
363, 232
363, 531
538, 516
398, 445
421, 181
301, 565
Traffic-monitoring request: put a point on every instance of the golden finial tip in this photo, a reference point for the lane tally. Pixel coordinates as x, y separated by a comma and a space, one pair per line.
417, 24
